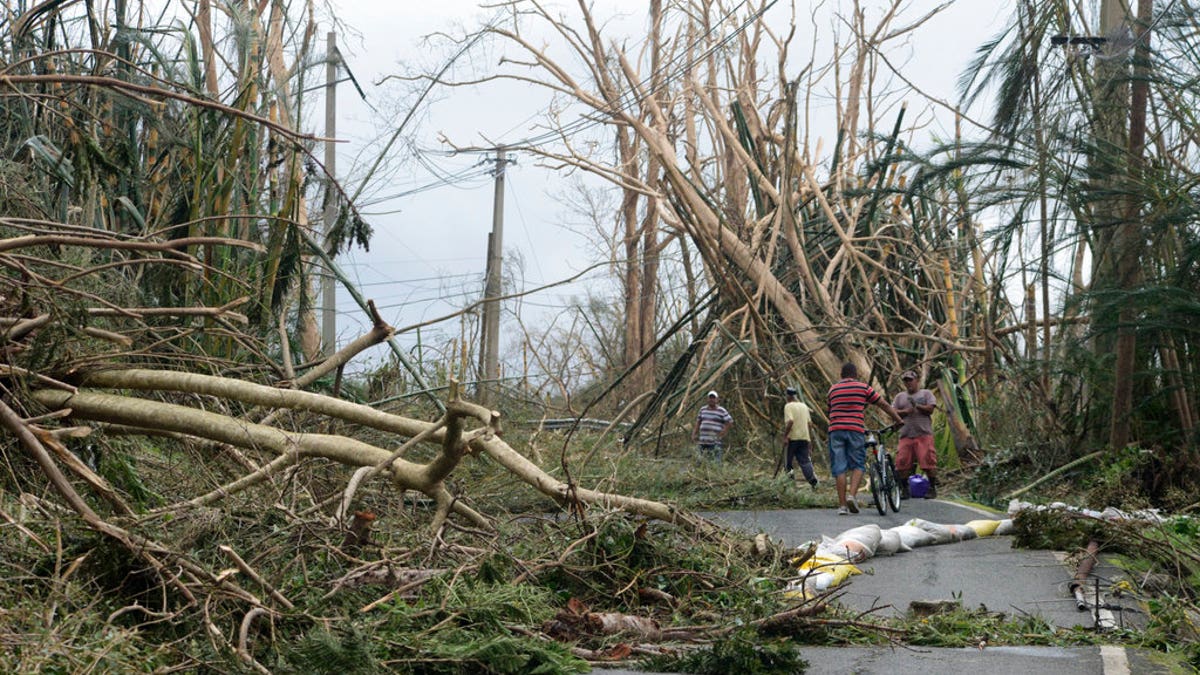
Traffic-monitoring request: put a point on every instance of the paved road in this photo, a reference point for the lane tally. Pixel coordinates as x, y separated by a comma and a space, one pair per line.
987, 572
990, 661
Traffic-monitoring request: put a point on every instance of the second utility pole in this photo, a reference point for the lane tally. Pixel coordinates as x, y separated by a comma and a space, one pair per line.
489, 385
328, 291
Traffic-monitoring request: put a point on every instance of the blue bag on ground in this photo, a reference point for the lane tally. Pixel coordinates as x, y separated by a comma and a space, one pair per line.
918, 485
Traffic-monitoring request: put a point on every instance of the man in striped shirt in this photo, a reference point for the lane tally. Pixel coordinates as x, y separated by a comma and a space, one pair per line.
847, 444
712, 424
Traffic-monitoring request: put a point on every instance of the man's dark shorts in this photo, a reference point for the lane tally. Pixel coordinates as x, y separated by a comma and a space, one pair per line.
847, 452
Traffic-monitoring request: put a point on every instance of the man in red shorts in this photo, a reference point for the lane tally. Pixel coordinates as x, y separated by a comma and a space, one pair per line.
916, 405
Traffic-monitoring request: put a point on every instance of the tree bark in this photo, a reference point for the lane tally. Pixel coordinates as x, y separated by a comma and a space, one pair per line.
1128, 243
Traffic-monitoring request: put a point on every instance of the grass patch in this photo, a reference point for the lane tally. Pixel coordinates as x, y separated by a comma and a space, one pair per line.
743, 480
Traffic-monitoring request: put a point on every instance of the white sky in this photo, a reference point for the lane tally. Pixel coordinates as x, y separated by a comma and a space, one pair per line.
428, 252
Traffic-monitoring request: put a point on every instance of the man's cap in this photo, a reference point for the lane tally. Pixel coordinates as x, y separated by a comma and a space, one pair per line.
790, 391
713, 394
909, 375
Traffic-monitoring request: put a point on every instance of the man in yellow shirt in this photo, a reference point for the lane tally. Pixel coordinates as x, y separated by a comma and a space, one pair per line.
797, 423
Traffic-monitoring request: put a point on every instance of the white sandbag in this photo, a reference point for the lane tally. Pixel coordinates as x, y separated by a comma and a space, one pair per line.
1113, 513
1005, 527
890, 543
860, 542
1150, 515
849, 550
962, 532
867, 534
1015, 506
941, 533
820, 581
829, 548
913, 537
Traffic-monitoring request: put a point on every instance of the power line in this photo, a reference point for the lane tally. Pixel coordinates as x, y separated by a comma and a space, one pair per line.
441, 297
412, 111
452, 180
443, 277
525, 228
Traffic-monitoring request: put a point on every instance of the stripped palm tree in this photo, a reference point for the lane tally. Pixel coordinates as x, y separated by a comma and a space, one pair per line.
1081, 164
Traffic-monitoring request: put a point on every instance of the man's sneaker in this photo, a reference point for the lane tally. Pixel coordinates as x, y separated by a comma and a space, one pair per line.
843, 511
814, 483
791, 475
852, 504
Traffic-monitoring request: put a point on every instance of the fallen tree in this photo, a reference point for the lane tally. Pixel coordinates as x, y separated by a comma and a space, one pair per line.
449, 433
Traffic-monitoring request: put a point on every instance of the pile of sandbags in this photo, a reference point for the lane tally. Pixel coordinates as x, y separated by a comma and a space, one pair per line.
833, 560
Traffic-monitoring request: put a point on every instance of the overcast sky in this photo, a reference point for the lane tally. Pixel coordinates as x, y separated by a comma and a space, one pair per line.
427, 256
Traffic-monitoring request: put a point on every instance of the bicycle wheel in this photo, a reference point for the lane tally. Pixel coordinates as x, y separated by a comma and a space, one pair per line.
892, 485
877, 489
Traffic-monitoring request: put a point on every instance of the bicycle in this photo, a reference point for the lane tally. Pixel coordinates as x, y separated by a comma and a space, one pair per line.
882, 472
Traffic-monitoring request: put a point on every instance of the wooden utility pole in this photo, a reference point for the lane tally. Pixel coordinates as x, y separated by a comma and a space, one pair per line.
328, 291
491, 293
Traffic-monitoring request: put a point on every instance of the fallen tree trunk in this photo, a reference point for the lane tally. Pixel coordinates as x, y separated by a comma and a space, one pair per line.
158, 417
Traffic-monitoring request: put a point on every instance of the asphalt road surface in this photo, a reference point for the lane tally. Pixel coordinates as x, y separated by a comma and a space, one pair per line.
985, 572
969, 661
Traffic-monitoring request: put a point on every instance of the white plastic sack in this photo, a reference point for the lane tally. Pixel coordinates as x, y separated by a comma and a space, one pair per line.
1110, 513
829, 548
860, 542
890, 543
913, 537
1005, 527
1016, 505
962, 532
942, 534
